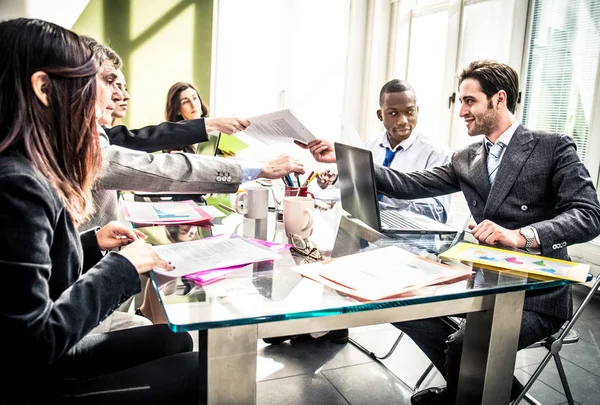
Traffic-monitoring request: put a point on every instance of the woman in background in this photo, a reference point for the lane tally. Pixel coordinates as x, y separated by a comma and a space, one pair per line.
184, 103
49, 157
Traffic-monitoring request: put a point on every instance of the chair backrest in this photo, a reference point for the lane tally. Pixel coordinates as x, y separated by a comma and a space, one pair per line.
566, 335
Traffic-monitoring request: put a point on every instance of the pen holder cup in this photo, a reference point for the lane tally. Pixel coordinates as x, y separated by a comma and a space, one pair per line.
298, 192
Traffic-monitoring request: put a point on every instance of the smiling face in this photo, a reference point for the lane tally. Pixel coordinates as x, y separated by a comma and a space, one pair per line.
120, 103
106, 92
480, 114
190, 106
398, 113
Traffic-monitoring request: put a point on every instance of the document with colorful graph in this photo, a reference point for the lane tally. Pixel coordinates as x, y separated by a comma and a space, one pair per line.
511, 260
164, 212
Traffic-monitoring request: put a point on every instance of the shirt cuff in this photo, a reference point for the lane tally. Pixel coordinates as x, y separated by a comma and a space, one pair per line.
537, 250
250, 170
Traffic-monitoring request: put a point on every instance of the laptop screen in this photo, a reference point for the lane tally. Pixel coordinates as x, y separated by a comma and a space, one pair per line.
357, 183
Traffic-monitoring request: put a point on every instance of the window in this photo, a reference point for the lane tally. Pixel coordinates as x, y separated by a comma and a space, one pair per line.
563, 68
288, 54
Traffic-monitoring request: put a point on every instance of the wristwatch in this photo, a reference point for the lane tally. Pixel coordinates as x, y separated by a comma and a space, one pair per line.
529, 236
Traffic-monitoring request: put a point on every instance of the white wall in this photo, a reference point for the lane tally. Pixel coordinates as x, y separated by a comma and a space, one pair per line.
61, 12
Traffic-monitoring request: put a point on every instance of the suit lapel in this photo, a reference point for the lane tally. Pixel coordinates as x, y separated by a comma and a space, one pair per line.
515, 156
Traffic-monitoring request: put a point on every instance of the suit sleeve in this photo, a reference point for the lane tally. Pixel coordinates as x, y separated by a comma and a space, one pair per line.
168, 135
576, 201
91, 251
434, 182
129, 170
43, 328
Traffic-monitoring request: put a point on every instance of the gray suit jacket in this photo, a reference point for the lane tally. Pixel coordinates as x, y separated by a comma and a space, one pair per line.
541, 182
126, 169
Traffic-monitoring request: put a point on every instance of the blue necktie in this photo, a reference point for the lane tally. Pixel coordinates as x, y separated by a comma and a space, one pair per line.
494, 153
389, 156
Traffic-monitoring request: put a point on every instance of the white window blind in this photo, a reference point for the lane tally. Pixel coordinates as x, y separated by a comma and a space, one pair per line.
562, 68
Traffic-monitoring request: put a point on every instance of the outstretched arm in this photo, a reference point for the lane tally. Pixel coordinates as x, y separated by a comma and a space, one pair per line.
322, 150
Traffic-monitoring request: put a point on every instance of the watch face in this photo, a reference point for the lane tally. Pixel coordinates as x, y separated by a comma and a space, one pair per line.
528, 232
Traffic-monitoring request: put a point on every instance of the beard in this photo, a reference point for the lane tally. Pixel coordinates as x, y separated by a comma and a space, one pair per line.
486, 122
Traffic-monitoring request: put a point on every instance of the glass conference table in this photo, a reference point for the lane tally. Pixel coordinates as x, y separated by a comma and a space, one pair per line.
269, 299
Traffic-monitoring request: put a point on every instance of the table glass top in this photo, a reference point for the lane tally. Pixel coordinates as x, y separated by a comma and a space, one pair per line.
273, 291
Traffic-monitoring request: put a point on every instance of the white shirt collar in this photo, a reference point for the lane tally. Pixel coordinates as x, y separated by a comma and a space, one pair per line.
405, 144
508, 134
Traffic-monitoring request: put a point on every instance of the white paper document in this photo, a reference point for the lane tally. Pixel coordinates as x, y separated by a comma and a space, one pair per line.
278, 126
211, 253
379, 273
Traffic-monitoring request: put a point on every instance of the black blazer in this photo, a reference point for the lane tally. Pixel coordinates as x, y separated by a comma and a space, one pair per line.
167, 135
48, 303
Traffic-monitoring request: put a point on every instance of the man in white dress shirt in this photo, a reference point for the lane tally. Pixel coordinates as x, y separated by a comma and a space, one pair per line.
402, 148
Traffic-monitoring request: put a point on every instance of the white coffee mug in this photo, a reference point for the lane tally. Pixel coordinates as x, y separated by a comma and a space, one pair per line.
253, 202
298, 215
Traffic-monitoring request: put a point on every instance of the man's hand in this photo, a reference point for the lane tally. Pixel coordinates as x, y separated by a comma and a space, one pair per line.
326, 178
115, 234
227, 125
280, 167
322, 150
493, 234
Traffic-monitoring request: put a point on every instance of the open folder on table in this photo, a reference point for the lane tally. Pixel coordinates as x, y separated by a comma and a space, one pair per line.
518, 261
397, 272
164, 212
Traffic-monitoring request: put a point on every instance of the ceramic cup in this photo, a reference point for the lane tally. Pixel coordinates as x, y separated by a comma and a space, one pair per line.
253, 202
298, 215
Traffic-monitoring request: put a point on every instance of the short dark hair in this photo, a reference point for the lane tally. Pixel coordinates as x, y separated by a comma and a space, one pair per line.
395, 86
59, 140
103, 51
492, 77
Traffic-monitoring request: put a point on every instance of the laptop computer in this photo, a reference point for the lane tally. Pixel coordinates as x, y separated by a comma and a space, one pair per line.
356, 176
210, 147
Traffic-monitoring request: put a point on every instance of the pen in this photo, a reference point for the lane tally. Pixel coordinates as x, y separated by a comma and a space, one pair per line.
289, 181
308, 179
298, 180
311, 178
227, 208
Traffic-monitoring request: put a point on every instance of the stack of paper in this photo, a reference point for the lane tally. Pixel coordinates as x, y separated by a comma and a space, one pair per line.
278, 126
380, 273
212, 253
164, 212
209, 276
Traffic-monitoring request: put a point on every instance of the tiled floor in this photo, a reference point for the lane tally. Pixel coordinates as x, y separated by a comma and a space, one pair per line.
326, 373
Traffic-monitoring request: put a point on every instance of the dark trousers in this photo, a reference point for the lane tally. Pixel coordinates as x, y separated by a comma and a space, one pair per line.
442, 342
149, 364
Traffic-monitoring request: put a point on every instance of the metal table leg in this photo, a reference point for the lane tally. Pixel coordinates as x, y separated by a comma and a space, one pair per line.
489, 351
228, 356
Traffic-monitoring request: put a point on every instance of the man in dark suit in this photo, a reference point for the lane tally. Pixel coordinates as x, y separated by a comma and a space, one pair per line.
525, 189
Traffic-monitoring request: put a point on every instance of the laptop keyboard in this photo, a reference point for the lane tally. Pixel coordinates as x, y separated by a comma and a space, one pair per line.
392, 219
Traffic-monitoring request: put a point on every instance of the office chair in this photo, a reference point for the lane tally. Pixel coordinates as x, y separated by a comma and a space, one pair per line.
565, 336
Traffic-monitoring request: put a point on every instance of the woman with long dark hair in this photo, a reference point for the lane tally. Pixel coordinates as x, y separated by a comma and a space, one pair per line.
49, 156
184, 103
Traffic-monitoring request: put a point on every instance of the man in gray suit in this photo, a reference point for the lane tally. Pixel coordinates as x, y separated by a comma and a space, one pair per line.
525, 189
127, 169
